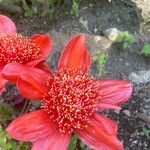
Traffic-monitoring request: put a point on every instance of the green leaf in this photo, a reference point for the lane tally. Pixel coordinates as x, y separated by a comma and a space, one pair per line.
27, 10
7, 143
120, 38
73, 143
125, 36
4, 140
74, 10
6, 112
146, 50
145, 132
102, 58
126, 45
82, 145
94, 58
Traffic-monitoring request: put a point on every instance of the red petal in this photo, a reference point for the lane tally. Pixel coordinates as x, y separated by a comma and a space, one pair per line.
109, 126
113, 91
44, 68
75, 55
2, 83
100, 134
13, 71
108, 106
40, 64
31, 126
31, 83
30, 88
7, 25
55, 141
44, 42
35, 62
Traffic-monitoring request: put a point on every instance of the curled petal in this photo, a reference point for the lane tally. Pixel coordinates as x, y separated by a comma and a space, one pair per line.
2, 83
100, 134
75, 55
13, 71
35, 62
31, 82
7, 25
113, 91
54, 141
32, 126
44, 42
44, 68
40, 64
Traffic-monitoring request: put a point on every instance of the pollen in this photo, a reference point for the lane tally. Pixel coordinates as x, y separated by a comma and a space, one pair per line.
16, 48
71, 99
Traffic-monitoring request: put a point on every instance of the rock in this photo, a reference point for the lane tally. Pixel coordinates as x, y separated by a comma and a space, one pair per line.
9, 6
98, 44
112, 33
95, 44
144, 6
140, 77
117, 111
127, 112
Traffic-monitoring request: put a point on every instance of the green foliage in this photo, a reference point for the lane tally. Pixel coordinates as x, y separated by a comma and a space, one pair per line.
100, 59
148, 20
31, 7
6, 112
28, 12
4, 140
146, 50
75, 6
126, 38
73, 142
16, 1
145, 132
83, 146
7, 143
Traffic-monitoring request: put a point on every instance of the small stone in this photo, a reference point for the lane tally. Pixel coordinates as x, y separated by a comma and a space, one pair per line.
127, 64
98, 44
97, 38
112, 33
140, 77
10, 7
90, 5
95, 30
127, 112
117, 111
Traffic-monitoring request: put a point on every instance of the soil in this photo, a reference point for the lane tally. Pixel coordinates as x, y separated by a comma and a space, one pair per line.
125, 15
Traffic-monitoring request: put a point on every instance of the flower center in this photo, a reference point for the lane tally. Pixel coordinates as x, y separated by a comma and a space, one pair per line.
71, 100
16, 48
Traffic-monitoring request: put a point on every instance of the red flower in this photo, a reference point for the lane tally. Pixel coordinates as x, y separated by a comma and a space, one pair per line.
71, 102
16, 48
